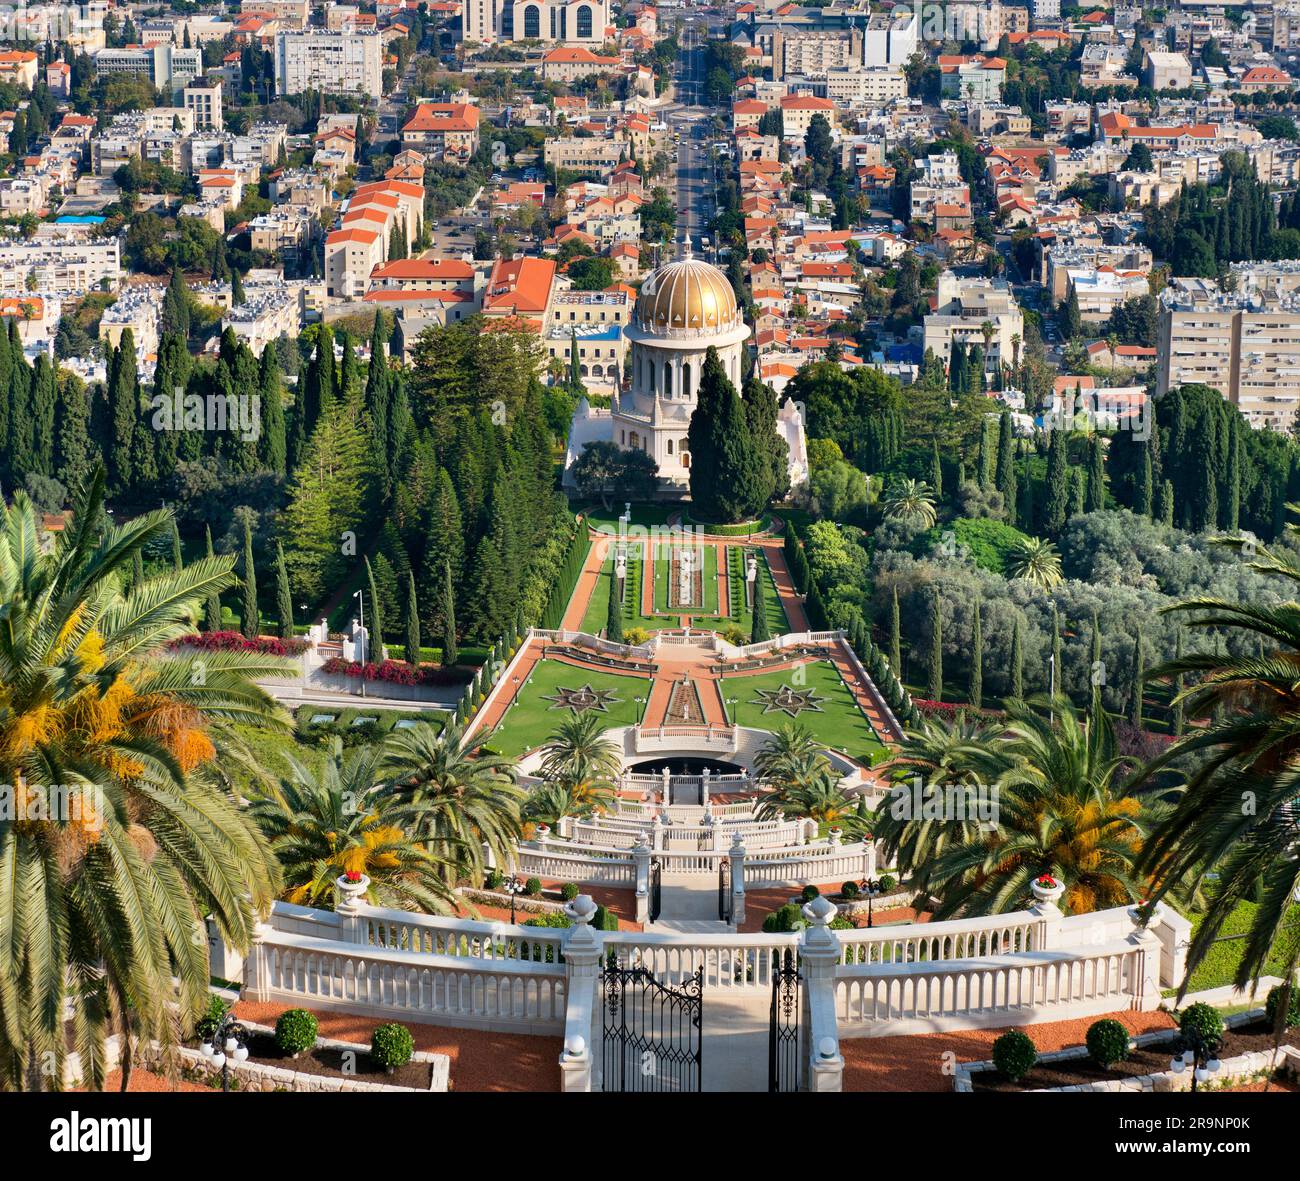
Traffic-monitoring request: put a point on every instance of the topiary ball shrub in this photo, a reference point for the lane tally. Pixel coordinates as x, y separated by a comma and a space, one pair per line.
787, 918
887, 883
533, 887
295, 1031
391, 1046
1201, 1023
569, 891
1107, 1042
1275, 999
808, 893
849, 890
1014, 1055
208, 1024
493, 880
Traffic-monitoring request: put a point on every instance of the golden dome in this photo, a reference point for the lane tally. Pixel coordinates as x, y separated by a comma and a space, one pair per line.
688, 295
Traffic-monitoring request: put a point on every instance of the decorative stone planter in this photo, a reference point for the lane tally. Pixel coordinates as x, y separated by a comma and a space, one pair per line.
1048, 895
350, 893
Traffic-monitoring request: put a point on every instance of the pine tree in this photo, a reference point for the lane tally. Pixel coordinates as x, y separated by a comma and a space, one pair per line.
614, 614
377, 612
378, 399
412, 623
450, 653
1017, 661
976, 691
1139, 673
895, 638
759, 631
283, 598
213, 607
936, 648
250, 621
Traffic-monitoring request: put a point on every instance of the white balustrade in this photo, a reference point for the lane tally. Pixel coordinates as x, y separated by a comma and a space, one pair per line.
954, 940
729, 961
876, 999
595, 866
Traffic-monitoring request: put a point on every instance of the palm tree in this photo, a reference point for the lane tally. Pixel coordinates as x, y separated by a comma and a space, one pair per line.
817, 797
105, 882
467, 798
549, 802
910, 501
1249, 752
578, 750
1036, 561
324, 824
948, 756
790, 754
1112, 343
1062, 809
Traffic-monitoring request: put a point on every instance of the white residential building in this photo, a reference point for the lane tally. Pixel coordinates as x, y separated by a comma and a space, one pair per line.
336, 63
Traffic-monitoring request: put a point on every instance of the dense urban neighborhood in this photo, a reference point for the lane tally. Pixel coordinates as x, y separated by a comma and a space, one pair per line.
586, 546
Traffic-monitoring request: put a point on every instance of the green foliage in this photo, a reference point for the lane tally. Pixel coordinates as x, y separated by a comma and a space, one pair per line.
207, 1025
569, 891
727, 476
1201, 1023
533, 887
1108, 1042
1014, 1054
295, 1031
1273, 1002
391, 1046
849, 890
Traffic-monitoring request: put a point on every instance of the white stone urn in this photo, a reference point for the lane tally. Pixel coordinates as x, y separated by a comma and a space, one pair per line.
543, 833
1045, 893
835, 837
350, 893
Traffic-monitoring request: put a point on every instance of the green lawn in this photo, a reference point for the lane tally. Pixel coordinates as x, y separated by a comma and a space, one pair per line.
645, 515
663, 573
593, 621
532, 719
839, 725
1220, 964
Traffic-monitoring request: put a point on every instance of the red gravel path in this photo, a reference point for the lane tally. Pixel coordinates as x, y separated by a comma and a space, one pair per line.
480, 1061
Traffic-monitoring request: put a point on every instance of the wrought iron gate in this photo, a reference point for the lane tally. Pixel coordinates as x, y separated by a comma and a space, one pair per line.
783, 1054
652, 1031
656, 889
724, 889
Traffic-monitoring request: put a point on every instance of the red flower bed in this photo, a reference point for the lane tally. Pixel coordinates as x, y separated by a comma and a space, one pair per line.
395, 672
950, 709
235, 642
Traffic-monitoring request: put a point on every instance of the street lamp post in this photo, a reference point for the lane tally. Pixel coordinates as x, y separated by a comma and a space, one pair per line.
514, 887
1200, 1053
870, 887
229, 1039
361, 601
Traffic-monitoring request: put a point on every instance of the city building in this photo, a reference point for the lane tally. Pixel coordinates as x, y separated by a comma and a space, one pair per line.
334, 63
573, 22
203, 97
962, 309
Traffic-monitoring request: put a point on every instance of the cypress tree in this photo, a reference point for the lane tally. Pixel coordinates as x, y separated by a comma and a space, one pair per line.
412, 623
6, 397
895, 638
175, 314
1144, 502
726, 478
1017, 662
759, 630
1166, 503
213, 609
237, 296
1232, 512
1094, 659
21, 416
936, 648
1057, 663
376, 615
178, 561
43, 410
1057, 508
936, 470
1096, 476
1006, 467
250, 621
614, 612
1139, 673
761, 410
72, 431
348, 374
272, 445
977, 660
283, 599
124, 411
450, 655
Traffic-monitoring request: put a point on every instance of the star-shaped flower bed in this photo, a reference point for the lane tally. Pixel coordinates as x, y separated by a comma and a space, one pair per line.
788, 700
581, 700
